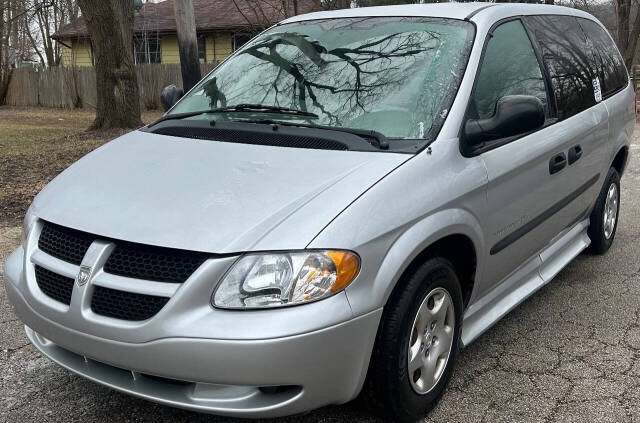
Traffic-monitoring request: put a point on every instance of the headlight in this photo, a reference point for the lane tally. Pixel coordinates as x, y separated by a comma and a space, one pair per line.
284, 279
29, 219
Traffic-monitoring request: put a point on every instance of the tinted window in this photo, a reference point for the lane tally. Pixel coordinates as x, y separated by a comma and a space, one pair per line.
564, 52
517, 72
607, 64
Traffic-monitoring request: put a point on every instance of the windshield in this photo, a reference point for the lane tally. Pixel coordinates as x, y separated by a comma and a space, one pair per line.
397, 76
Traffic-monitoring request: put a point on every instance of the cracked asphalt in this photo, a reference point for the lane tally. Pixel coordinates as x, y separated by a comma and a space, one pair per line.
570, 353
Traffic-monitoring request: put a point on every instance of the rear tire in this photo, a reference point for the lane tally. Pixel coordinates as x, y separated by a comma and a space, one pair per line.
425, 313
604, 217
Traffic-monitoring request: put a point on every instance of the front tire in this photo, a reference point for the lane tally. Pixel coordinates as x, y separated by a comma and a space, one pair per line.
418, 342
604, 217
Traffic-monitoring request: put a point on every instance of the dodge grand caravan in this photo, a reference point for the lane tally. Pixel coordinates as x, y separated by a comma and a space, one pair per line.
338, 208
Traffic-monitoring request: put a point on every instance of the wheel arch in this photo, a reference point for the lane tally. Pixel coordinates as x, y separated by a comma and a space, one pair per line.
457, 238
621, 159
460, 251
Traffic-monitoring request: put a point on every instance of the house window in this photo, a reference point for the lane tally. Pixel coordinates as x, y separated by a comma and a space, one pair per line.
239, 40
146, 48
202, 48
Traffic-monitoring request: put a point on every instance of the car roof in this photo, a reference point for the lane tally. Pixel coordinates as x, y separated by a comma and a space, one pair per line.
445, 10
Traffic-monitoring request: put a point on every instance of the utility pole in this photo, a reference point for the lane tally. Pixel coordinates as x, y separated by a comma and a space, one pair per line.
187, 43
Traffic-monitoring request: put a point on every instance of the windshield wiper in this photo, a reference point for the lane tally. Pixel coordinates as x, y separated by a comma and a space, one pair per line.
259, 107
244, 107
380, 139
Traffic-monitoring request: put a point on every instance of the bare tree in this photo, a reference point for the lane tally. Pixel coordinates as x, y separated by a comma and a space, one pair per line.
335, 4
110, 25
33, 24
187, 43
260, 14
42, 20
628, 22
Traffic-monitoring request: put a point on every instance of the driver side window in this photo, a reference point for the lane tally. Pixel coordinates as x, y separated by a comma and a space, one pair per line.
509, 67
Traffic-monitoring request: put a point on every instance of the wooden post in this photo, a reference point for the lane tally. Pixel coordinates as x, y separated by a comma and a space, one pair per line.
187, 43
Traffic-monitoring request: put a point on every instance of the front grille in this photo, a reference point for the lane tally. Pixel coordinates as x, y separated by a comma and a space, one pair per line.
125, 305
53, 285
131, 260
153, 263
64, 243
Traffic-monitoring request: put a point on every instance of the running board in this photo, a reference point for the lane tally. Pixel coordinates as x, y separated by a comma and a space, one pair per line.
535, 274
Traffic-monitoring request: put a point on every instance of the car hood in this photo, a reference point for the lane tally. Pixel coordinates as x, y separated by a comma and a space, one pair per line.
209, 196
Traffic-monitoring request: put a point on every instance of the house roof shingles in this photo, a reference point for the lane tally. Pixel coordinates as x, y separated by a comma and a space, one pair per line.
211, 15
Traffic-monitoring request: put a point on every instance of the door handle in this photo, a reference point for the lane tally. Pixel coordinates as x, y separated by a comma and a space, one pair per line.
575, 153
557, 163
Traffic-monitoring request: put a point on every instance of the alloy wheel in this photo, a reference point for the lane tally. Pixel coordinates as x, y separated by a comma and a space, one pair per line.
610, 211
431, 340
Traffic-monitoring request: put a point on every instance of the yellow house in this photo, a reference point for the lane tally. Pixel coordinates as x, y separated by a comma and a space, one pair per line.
222, 26
161, 48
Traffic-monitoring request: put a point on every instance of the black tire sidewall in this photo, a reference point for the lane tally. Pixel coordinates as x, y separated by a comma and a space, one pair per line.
599, 242
404, 403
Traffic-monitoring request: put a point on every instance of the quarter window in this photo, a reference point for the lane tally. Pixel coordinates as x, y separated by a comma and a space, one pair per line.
606, 64
509, 67
565, 53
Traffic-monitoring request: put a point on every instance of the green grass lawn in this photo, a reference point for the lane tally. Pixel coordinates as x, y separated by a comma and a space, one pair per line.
35, 145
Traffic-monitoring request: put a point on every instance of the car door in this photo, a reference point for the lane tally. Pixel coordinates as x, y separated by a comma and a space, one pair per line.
579, 86
528, 177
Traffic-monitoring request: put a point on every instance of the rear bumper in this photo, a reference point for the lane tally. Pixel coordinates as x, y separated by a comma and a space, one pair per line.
321, 367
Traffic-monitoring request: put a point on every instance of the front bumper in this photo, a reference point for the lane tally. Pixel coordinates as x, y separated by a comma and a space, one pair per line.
219, 376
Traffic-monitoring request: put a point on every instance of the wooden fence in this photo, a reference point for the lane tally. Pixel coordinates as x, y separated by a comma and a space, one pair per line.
635, 76
75, 87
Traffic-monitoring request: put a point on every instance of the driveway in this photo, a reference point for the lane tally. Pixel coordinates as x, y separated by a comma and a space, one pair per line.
571, 353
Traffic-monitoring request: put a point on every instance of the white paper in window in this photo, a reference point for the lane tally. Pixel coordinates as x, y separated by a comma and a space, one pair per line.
597, 92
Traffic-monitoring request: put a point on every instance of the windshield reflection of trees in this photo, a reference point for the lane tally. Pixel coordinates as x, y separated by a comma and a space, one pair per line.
356, 77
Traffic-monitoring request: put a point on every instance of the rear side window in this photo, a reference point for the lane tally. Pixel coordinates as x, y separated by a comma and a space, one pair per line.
509, 67
564, 51
606, 64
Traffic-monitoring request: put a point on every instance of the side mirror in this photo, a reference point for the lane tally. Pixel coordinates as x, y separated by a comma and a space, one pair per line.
515, 114
170, 96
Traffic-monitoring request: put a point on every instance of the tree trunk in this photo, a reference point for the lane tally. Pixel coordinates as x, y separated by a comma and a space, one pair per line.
110, 25
5, 69
187, 43
628, 31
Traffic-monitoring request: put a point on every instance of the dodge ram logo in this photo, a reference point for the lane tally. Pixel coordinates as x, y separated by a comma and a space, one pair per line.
83, 275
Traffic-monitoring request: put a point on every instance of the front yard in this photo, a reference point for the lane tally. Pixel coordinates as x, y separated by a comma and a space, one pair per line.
35, 145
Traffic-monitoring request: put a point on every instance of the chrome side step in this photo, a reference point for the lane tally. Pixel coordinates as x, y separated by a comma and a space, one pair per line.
524, 282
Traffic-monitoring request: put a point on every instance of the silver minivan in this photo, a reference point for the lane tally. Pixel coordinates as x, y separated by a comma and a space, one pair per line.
338, 208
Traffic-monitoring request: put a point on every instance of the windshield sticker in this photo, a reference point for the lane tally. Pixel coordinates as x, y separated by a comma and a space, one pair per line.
597, 92
421, 130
